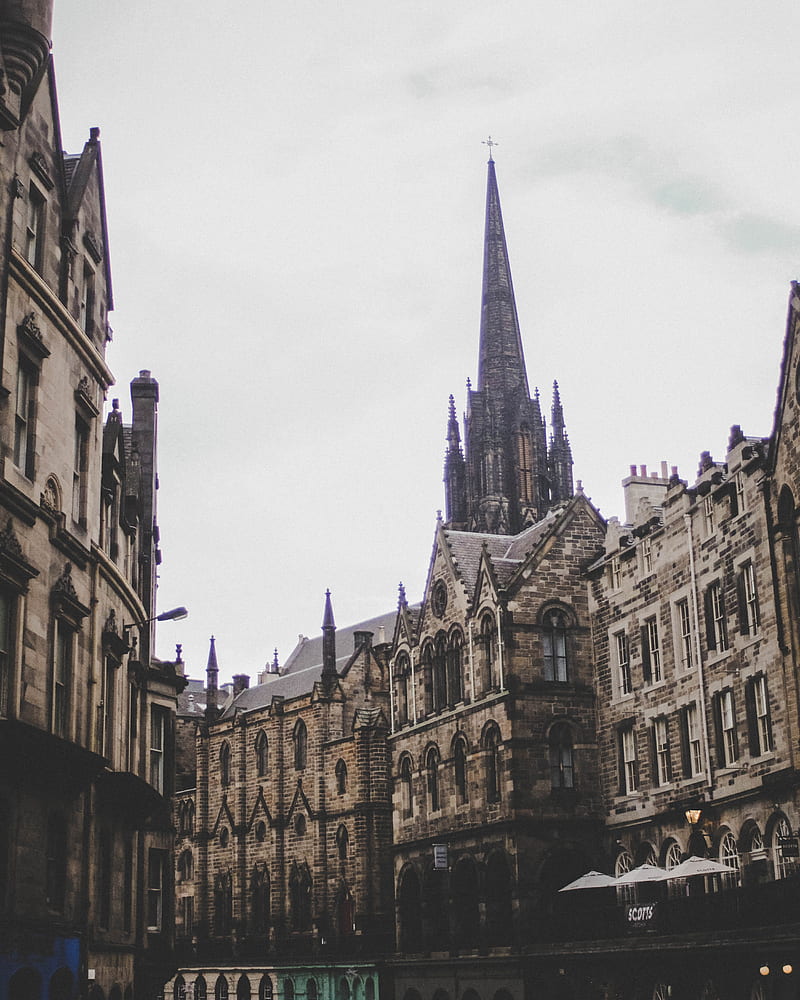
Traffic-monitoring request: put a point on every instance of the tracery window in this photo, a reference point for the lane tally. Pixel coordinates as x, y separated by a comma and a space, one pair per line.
262, 758
554, 645
562, 769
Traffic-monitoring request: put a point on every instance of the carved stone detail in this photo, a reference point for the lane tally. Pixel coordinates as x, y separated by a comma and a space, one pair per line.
64, 585
29, 332
50, 498
39, 167
9, 543
92, 244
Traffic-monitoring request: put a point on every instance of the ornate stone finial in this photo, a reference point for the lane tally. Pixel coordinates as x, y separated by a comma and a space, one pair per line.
401, 597
469, 384
114, 404
438, 515
178, 653
9, 543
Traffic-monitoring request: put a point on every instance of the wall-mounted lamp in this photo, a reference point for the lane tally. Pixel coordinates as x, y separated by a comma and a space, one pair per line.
173, 615
693, 816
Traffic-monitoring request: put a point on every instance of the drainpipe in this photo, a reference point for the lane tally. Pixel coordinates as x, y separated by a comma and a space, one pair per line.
687, 520
500, 648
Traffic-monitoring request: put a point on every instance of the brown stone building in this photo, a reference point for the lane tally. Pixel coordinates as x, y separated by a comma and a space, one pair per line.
85, 710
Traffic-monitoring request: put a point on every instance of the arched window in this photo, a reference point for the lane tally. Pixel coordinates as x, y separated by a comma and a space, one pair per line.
342, 842
409, 911
432, 775
729, 855
455, 670
260, 900
262, 759
491, 741
189, 818
623, 863
466, 904
554, 645
406, 788
486, 678
460, 770
672, 854
369, 989
221, 988
562, 771
498, 899
223, 904
300, 745
200, 990
402, 673
440, 673
225, 765
341, 776
782, 839
300, 899
426, 661
525, 464
186, 866
311, 989
288, 989
435, 911
243, 988
346, 918
265, 989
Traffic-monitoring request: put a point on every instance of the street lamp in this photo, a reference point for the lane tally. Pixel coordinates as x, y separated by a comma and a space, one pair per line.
173, 615
693, 816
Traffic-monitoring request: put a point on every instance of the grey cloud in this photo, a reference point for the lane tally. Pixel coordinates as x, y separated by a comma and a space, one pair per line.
755, 234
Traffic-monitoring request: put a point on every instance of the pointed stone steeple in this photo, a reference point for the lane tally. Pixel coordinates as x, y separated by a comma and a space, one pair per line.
212, 682
559, 457
455, 473
501, 363
329, 674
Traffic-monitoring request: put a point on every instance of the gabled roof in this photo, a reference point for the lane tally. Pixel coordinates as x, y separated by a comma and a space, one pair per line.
303, 667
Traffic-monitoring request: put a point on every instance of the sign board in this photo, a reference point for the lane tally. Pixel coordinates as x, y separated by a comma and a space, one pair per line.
789, 847
641, 916
440, 857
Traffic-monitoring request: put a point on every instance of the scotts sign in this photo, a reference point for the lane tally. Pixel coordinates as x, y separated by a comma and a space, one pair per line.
640, 916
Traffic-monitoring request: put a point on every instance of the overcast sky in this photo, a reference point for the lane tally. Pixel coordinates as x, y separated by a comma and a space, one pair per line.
296, 202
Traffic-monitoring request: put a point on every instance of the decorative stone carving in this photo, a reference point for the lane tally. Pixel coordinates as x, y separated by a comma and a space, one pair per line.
39, 167
30, 334
92, 244
17, 188
51, 495
84, 396
64, 586
9, 543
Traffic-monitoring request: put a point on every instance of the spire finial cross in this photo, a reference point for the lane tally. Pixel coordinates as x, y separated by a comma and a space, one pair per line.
490, 143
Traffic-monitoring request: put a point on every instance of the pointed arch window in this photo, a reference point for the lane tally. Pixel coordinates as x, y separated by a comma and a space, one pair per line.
223, 904
262, 758
300, 745
225, 765
440, 673
402, 673
491, 742
488, 659
455, 684
342, 842
406, 792
341, 776
432, 775
221, 988
300, 899
460, 770
562, 768
554, 645
260, 900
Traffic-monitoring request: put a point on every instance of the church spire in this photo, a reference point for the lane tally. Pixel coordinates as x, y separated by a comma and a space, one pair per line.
454, 473
328, 644
501, 363
559, 456
212, 682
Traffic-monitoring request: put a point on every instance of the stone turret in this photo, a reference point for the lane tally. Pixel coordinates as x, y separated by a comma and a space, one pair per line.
25, 27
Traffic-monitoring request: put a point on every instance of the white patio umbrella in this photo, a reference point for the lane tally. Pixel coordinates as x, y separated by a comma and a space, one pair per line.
698, 866
591, 880
644, 873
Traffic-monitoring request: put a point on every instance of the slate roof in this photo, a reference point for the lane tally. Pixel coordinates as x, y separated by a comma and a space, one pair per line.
303, 668
506, 552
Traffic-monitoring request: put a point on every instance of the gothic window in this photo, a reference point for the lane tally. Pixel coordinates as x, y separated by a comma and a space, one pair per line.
261, 831
432, 776
525, 464
262, 758
300, 899
402, 672
243, 991
341, 776
186, 866
223, 904
342, 842
406, 793
312, 992
455, 686
225, 765
460, 770
288, 989
200, 990
427, 675
491, 741
300, 745
265, 988
56, 862
440, 673
562, 771
221, 988
488, 661
554, 644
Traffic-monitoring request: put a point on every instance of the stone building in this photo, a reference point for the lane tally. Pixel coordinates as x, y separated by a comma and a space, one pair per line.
283, 840
85, 710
